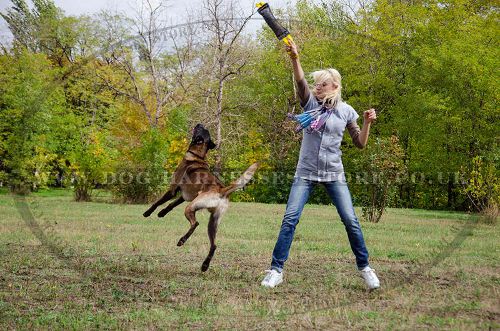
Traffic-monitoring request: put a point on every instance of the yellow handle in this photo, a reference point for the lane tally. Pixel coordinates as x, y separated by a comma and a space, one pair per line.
260, 4
287, 39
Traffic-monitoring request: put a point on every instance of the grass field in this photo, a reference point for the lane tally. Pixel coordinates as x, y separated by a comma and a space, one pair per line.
100, 265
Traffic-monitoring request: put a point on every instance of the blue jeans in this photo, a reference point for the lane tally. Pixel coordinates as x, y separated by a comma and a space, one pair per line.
341, 198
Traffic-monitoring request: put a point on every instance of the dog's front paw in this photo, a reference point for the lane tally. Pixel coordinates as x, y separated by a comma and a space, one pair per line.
147, 213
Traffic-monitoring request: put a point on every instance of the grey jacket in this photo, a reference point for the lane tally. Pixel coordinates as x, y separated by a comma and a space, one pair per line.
320, 154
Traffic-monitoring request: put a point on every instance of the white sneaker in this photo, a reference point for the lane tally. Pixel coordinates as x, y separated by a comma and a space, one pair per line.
370, 278
272, 278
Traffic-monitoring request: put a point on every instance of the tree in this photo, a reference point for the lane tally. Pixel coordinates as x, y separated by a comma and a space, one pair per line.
43, 29
29, 104
147, 75
430, 69
221, 58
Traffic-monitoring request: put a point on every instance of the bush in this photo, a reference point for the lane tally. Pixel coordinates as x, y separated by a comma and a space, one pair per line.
482, 187
382, 165
89, 163
140, 176
30, 174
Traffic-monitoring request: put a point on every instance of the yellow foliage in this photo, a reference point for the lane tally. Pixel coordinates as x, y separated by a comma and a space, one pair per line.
482, 183
176, 151
255, 151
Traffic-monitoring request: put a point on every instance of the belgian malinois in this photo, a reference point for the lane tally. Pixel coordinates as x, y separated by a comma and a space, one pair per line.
201, 188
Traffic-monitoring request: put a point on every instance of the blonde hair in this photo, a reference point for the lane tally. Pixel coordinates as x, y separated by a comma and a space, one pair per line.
331, 100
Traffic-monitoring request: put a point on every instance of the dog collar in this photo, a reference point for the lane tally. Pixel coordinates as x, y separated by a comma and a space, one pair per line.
195, 154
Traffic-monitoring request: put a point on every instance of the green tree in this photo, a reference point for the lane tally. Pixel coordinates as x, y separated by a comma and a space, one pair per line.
43, 29
431, 68
29, 102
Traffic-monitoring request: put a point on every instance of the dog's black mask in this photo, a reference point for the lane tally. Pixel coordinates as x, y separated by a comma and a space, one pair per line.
201, 136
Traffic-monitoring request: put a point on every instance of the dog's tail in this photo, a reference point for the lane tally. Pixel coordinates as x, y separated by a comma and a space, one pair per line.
240, 182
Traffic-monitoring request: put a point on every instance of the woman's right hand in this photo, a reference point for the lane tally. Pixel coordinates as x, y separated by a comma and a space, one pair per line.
292, 50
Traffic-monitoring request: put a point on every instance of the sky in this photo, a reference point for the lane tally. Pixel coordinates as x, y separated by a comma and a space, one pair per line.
177, 10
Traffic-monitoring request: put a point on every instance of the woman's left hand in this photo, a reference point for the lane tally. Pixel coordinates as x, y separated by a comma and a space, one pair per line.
369, 116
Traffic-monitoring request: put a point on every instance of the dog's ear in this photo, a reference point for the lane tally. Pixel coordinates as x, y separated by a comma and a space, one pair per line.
211, 144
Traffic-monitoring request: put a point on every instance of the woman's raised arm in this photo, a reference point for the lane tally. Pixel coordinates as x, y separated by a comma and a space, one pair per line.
298, 74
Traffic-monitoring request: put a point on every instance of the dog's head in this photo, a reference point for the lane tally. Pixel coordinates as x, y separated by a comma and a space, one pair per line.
201, 138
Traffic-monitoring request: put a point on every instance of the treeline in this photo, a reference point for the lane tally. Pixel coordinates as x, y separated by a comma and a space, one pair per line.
109, 101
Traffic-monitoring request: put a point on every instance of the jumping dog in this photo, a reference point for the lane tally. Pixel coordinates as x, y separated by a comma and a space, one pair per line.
200, 188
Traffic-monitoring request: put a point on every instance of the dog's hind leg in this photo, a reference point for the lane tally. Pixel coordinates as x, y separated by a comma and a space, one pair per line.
167, 196
213, 223
212, 231
171, 206
203, 200
191, 216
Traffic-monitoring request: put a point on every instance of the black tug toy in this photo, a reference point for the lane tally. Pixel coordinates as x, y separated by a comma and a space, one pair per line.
280, 32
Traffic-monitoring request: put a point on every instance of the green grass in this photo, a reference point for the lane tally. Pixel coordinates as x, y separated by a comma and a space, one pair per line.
104, 266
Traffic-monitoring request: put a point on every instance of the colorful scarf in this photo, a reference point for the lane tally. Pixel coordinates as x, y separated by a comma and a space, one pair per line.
313, 120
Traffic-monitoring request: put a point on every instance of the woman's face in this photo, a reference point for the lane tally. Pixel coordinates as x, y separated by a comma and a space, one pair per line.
324, 88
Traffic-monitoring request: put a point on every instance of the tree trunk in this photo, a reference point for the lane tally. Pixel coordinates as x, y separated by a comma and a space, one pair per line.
451, 193
218, 158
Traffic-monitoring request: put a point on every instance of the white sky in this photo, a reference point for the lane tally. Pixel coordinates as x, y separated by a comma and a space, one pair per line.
176, 11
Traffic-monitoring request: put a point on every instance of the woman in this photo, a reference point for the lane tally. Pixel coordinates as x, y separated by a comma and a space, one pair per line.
324, 120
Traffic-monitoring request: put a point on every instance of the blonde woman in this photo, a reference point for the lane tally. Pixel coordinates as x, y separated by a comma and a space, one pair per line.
324, 120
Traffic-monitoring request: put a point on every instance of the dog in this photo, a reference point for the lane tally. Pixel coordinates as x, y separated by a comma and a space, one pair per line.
200, 188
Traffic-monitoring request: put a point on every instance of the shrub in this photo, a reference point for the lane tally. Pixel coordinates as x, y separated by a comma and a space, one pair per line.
482, 187
140, 175
89, 162
382, 166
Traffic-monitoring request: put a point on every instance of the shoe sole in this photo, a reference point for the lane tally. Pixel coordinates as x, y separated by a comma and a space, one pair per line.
269, 286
